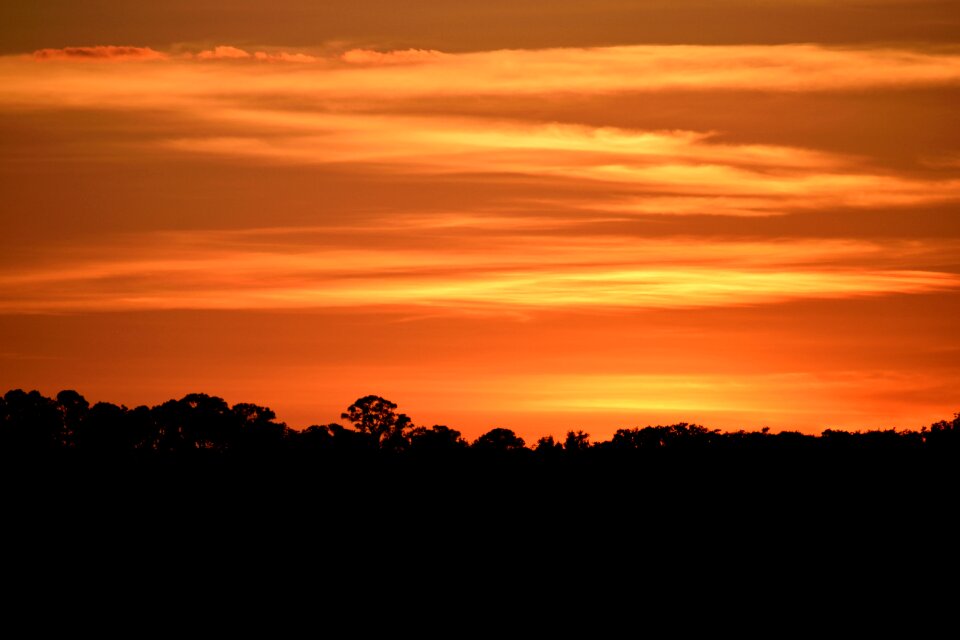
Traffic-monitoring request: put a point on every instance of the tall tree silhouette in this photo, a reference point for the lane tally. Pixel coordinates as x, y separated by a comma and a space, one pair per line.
378, 418
74, 408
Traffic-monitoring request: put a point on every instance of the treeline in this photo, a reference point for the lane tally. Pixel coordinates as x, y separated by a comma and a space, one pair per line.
32, 423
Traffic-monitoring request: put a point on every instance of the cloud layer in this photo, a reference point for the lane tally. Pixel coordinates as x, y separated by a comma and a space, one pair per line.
386, 113
597, 231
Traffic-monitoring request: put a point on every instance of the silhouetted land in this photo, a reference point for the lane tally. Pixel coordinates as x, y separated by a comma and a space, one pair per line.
200, 425
202, 434
209, 488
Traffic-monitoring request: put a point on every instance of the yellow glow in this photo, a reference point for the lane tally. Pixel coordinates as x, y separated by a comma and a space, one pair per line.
207, 273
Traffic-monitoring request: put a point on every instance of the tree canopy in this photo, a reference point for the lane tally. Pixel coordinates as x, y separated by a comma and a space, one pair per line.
197, 422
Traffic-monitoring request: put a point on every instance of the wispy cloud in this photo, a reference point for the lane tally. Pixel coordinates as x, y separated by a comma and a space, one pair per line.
656, 172
223, 53
353, 108
100, 53
238, 271
604, 70
404, 56
226, 52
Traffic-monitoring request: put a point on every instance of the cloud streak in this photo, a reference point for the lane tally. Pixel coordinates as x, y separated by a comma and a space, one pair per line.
236, 271
655, 172
603, 70
352, 109
99, 54
405, 56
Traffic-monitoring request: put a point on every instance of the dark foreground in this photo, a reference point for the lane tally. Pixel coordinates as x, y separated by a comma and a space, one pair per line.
466, 541
195, 493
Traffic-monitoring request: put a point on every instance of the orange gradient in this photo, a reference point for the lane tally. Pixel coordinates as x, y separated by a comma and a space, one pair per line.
589, 235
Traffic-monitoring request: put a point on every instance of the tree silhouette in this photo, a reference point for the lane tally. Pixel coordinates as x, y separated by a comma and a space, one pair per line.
576, 441
196, 421
436, 439
257, 429
105, 429
547, 445
499, 440
31, 422
680, 435
35, 425
332, 439
74, 408
377, 417
945, 434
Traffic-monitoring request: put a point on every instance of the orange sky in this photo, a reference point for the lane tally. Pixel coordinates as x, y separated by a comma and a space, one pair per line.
541, 216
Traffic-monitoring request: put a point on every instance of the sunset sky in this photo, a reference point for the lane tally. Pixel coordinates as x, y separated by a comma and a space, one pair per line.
536, 215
